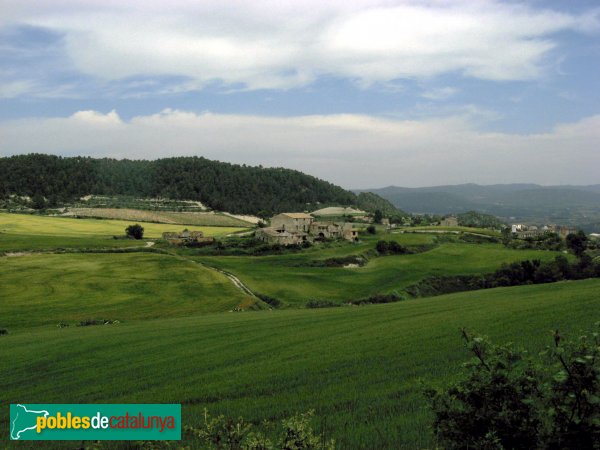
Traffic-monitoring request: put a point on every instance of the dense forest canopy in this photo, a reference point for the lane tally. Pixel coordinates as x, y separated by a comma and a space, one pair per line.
221, 186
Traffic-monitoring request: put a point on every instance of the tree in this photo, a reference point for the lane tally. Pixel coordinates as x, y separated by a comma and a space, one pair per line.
509, 400
371, 229
135, 231
38, 202
377, 216
577, 243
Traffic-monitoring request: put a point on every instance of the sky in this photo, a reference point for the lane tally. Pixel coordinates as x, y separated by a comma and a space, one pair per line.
364, 94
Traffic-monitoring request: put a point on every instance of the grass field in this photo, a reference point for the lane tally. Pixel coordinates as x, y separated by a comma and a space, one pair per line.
48, 289
20, 232
286, 278
361, 368
170, 217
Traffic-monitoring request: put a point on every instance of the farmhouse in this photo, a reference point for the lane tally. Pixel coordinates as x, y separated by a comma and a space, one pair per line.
295, 228
186, 237
449, 221
292, 222
326, 230
271, 235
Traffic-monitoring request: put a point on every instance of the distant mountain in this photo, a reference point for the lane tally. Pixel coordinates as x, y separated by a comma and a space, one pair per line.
221, 186
573, 205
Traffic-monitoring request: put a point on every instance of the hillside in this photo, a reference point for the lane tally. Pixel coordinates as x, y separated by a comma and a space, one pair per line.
360, 368
568, 205
221, 186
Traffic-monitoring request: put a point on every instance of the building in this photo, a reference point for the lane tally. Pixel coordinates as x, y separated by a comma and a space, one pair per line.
186, 237
349, 232
326, 230
563, 232
449, 221
292, 222
272, 236
296, 228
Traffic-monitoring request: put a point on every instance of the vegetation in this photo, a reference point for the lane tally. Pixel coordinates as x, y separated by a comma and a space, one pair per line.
294, 433
174, 309
300, 276
359, 368
131, 286
508, 399
171, 217
373, 202
135, 231
514, 274
479, 220
53, 180
25, 232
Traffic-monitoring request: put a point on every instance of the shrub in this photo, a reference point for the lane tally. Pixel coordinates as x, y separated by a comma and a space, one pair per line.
3, 331
274, 302
508, 399
371, 229
294, 433
135, 231
321, 304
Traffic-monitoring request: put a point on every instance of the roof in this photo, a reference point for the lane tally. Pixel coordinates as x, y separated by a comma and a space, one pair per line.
298, 215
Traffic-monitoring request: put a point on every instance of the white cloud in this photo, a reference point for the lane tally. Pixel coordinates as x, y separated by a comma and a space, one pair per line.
443, 93
352, 150
273, 44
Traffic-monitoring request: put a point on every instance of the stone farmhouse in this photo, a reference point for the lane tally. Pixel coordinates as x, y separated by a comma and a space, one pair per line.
186, 237
449, 221
522, 231
295, 228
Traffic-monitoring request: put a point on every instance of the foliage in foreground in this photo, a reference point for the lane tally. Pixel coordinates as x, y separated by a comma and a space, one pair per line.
294, 433
510, 400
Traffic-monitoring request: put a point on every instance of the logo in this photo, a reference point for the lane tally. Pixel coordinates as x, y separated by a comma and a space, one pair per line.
115, 422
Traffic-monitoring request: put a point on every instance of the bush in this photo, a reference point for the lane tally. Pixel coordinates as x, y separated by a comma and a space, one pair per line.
135, 231
321, 304
3, 331
391, 248
371, 229
274, 302
294, 433
509, 400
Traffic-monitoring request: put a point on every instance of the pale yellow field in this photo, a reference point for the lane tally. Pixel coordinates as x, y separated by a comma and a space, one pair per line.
61, 226
169, 217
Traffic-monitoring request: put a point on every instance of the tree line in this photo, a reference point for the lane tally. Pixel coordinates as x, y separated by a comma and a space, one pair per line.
53, 180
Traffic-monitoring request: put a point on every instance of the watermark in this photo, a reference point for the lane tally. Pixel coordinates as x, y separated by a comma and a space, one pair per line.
113, 422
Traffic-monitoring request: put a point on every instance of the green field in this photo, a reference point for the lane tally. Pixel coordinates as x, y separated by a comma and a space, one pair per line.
288, 278
25, 232
359, 367
48, 289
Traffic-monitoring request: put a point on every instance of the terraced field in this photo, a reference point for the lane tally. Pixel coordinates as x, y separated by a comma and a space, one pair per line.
360, 368
291, 279
171, 217
49, 289
25, 232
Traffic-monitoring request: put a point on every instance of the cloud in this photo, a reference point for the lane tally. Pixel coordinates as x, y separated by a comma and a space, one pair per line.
279, 45
352, 150
443, 93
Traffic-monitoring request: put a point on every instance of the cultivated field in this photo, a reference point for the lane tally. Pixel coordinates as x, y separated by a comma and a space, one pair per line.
291, 279
48, 289
20, 232
171, 217
361, 368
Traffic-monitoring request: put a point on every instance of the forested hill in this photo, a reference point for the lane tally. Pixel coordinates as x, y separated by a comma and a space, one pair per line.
221, 186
